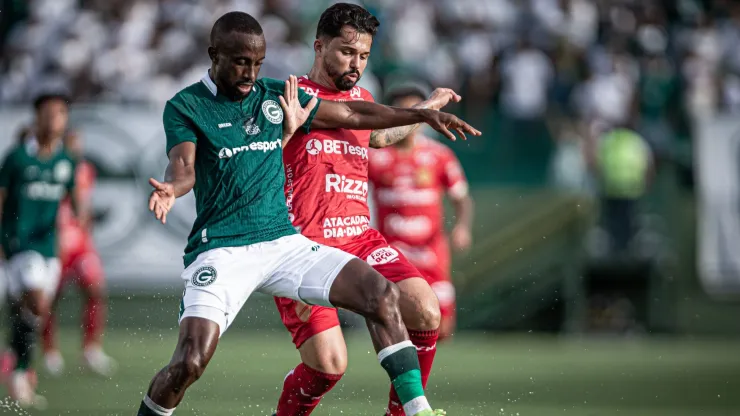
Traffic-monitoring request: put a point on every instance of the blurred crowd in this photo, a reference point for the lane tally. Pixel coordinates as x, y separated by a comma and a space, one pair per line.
603, 59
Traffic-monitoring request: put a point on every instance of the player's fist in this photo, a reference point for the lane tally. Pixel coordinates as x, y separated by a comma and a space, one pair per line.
440, 98
162, 199
461, 238
295, 113
445, 122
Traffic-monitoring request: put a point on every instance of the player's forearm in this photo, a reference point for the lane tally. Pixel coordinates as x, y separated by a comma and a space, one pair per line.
181, 175
391, 136
364, 115
463, 212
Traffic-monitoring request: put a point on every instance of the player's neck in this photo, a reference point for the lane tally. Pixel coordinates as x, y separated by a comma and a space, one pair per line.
47, 145
319, 76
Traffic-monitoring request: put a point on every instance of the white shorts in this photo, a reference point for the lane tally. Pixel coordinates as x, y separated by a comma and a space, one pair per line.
219, 281
29, 270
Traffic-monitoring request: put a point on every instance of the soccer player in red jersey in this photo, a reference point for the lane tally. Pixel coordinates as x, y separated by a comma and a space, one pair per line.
410, 180
326, 192
81, 265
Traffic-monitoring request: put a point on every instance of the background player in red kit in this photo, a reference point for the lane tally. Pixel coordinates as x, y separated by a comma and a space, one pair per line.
410, 180
81, 265
326, 192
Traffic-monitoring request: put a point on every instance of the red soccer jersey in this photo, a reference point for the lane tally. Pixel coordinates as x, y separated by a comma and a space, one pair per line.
84, 185
326, 176
409, 187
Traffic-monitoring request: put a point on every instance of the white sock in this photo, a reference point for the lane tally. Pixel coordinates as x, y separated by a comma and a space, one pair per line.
161, 411
417, 405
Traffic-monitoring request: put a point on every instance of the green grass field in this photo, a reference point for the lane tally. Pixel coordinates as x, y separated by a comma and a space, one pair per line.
474, 375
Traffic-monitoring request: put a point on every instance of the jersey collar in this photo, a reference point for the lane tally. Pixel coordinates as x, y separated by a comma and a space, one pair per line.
32, 146
208, 82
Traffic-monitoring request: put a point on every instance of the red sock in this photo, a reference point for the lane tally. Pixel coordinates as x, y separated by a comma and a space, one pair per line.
303, 389
426, 348
93, 320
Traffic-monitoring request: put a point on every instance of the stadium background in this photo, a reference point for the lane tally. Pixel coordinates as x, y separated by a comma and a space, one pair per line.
551, 319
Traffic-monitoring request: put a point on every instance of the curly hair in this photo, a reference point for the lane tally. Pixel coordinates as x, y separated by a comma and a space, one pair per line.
344, 14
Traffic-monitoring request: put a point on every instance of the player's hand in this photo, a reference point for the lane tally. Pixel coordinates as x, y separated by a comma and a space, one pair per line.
461, 238
445, 122
440, 98
294, 114
162, 199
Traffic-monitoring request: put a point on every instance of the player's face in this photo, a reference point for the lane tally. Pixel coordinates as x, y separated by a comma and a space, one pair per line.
237, 60
52, 118
344, 58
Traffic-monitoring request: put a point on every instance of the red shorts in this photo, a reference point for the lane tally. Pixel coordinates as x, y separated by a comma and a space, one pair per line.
80, 261
304, 321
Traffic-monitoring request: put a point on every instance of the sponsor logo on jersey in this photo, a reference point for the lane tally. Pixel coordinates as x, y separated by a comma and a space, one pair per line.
353, 188
250, 127
423, 177
382, 255
224, 125
45, 191
272, 111
412, 226
339, 227
411, 197
313, 147
315, 248
336, 147
265, 147
204, 276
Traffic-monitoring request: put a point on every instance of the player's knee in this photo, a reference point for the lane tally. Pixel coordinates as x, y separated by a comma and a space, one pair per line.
429, 317
331, 362
384, 302
185, 370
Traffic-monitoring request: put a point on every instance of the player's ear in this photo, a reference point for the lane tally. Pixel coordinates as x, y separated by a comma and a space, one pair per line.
318, 46
213, 54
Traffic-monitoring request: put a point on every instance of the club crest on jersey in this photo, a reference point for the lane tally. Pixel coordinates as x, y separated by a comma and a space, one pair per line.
63, 171
313, 147
251, 128
272, 111
382, 255
204, 276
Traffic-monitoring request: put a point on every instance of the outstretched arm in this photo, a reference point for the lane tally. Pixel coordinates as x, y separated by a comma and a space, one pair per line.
179, 179
387, 137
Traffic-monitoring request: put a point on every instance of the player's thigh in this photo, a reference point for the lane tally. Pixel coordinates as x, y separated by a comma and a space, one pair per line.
306, 270
304, 321
88, 272
418, 303
219, 282
29, 271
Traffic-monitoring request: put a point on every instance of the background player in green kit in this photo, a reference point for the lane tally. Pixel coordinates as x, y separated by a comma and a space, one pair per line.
35, 176
224, 141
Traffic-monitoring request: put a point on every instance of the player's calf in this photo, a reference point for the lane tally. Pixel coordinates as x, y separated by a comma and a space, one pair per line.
359, 288
195, 347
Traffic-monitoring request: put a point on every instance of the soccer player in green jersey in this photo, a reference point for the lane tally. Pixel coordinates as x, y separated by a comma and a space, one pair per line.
35, 176
224, 141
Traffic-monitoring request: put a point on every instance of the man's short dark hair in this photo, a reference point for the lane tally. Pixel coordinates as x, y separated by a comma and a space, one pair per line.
339, 15
42, 98
239, 22
407, 89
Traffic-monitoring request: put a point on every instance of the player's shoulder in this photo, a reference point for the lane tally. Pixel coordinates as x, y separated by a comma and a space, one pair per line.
188, 98
16, 151
270, 85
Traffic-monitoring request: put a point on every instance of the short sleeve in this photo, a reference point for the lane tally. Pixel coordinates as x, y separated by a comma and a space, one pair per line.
177, 127
452, 175
6, 170
304, 98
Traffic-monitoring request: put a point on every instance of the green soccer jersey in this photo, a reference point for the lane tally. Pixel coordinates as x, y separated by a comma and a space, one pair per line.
33, 190
239, 177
